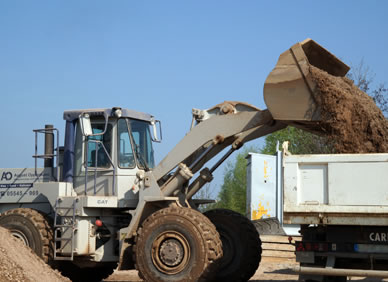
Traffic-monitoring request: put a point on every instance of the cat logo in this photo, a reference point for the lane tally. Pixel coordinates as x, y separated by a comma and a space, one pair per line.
102, 202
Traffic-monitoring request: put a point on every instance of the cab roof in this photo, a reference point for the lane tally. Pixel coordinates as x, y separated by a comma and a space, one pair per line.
72, 115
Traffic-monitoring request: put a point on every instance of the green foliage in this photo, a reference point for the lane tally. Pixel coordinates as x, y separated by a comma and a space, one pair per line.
301, 142
233, 191
206, 192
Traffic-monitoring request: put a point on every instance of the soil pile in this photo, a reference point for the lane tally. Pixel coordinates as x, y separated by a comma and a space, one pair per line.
19, 263
350, 118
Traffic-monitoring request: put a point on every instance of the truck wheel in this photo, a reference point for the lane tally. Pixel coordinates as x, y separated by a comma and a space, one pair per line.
177, 244
241, 245
32, 228
90, 274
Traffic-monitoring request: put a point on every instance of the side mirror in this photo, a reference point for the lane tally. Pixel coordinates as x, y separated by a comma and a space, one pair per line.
155, 124
86, 126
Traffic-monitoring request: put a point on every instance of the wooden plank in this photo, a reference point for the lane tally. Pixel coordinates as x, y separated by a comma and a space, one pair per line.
282, 247
279, 239
278, 246
278, 254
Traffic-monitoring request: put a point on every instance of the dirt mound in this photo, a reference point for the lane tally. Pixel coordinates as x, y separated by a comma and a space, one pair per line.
19, 263
350, 117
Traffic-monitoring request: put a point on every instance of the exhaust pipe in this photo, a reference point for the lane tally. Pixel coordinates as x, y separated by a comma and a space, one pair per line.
49, 146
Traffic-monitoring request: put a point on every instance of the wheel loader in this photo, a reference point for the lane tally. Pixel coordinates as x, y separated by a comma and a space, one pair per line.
100, 202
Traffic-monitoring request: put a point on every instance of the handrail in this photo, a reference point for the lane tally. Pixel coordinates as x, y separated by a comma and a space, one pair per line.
46, 156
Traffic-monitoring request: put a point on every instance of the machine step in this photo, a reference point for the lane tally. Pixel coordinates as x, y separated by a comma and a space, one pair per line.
58, 255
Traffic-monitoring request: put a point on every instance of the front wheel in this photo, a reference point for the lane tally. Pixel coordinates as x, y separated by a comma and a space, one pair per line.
32, 228
241, 245
177, 244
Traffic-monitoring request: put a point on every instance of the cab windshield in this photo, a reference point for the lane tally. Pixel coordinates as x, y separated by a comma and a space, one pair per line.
140, 137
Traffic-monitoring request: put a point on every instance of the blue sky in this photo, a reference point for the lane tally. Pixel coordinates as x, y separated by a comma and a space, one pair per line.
161, 57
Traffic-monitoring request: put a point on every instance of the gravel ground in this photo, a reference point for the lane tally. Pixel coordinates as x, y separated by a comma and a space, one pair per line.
274, 269
18, 263
271, 269
277, 261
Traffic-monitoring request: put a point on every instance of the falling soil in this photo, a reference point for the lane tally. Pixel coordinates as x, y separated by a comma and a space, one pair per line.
19, 263
350, 118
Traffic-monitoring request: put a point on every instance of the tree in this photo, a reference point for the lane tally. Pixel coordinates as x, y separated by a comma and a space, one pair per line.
301, 142
363, 78
233, 191
206, 193
379, 95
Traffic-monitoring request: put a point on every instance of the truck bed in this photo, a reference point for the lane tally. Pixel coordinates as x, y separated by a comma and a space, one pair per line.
341, 189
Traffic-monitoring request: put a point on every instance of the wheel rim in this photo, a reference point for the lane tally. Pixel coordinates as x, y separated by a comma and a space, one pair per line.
170, 252
20, 236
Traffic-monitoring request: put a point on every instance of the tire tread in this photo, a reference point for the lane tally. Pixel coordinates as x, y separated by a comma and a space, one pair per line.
205, 227
41, 223
252, 256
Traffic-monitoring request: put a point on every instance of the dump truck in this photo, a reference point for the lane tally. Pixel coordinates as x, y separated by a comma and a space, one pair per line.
336, 203
100, 201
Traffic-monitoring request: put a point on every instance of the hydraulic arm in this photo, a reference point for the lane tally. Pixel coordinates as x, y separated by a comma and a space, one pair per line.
290, 94
227, 124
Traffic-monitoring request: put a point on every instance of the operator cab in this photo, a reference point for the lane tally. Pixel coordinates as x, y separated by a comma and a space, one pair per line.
105, 148
134, 144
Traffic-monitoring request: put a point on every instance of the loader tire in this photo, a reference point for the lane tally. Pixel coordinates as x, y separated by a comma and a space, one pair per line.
90, 274
177, 244
32, 228
241, 245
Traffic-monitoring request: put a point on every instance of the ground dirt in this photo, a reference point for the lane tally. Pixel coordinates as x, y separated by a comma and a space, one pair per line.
350, 117
277, 261
20, 263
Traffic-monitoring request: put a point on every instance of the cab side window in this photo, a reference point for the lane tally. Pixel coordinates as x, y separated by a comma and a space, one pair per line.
96, 155
126, 159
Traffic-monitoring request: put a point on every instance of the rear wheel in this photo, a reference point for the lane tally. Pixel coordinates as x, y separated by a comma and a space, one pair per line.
32, 228
177, 244
241, 245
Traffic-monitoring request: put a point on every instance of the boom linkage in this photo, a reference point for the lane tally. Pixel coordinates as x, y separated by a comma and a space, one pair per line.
213, 130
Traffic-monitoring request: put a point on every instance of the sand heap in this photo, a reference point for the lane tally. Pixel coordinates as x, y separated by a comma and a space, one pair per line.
350, 117
20, 263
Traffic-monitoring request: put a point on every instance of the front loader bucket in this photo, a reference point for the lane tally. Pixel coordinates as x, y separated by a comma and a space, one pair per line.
289, 89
